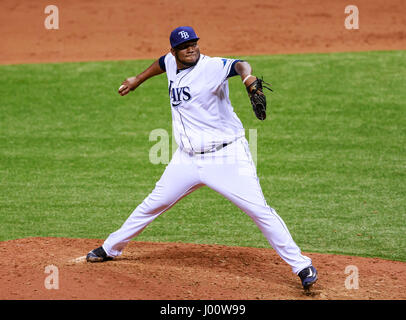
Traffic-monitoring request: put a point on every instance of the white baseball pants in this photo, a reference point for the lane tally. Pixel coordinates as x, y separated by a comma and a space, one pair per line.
229, 171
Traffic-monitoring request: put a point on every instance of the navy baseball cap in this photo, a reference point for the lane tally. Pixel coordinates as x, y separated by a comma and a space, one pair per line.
181, 35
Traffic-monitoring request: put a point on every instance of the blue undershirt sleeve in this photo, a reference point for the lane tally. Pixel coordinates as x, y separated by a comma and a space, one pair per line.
162, 63
232, 72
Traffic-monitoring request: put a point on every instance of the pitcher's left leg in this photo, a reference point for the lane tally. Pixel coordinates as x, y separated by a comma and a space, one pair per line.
239, 183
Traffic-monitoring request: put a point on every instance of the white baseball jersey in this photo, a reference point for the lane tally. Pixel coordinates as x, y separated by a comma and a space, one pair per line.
202, 114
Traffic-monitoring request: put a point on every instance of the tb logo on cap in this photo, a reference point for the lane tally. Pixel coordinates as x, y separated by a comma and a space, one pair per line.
183, 34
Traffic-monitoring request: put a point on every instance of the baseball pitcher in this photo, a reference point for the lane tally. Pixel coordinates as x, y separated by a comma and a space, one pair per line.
212, 148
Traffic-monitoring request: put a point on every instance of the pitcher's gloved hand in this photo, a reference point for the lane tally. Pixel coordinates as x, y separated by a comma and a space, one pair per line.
257, 97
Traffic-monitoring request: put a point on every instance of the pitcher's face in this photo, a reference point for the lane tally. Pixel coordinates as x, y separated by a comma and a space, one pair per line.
187, 53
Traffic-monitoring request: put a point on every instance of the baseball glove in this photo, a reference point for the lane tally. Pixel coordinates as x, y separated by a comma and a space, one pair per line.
257, 97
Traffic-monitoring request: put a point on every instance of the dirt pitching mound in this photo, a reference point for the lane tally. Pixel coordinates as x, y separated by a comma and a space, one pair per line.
30, 268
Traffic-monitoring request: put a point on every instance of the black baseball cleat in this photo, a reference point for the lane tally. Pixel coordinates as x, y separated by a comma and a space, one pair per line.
98, 255
308, 276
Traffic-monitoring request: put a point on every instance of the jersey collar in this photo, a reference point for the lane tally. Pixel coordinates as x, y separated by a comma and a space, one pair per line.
180, 70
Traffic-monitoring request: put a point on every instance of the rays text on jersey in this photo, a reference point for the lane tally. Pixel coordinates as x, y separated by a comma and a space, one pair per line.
177, 95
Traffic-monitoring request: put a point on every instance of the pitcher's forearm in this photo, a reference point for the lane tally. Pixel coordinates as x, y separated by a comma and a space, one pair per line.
243, 68
153, 70
132, 83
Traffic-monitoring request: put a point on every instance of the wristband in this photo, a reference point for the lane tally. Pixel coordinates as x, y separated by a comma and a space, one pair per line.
246, 78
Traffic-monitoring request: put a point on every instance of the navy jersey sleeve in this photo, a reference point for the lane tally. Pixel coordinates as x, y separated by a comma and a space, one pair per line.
162, 63
232, 72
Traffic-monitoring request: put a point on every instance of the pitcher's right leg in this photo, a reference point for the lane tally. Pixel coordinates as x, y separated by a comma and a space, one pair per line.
179, 179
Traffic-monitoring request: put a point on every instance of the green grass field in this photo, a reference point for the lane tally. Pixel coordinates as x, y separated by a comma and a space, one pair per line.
74, 155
